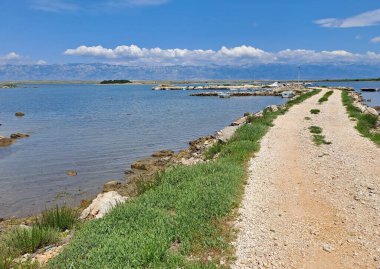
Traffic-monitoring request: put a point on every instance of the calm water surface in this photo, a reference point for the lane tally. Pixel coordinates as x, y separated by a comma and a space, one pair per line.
98, 131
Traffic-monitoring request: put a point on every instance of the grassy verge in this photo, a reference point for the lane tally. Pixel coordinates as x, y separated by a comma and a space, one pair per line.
365, 122
181, 221
325, 97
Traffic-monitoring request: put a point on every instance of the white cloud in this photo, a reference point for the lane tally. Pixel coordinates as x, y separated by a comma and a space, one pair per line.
224, 56
41, 62
11, 58
364, 19
376, 39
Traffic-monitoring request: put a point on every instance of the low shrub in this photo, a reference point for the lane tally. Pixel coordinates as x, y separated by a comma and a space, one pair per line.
315, 111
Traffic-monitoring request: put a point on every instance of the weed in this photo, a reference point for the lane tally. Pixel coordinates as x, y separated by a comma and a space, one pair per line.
315, 111
315, 129
320, 139
307, 118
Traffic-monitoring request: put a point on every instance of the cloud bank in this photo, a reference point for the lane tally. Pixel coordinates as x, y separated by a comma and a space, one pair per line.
368, 18
241, 55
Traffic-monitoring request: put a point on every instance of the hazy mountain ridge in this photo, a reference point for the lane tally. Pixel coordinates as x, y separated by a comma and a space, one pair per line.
108, 71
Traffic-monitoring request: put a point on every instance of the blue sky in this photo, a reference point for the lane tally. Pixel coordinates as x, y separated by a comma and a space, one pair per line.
189, 31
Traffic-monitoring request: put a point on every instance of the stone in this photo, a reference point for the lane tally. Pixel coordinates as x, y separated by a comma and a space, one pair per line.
372, 111
71, 173
239, 121
102, 204
142, 165
19, 114
4, 141
111, 185
273, 108
163, 153
327, 248
18, 136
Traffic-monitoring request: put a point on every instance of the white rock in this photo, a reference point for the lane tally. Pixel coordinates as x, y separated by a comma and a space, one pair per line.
371, 111
273, 108
102, 204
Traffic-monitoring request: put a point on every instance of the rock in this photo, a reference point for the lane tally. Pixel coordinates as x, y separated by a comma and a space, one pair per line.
128, 172
71, 173
19, 114
111, 185
246, 114
327, 248
163, 153
5, 141
273, 108
376, 107
19, 135
102, 204
239, 121
142, 165
372, 111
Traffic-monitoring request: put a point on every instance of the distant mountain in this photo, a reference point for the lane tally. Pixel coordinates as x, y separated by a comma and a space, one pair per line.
108, 71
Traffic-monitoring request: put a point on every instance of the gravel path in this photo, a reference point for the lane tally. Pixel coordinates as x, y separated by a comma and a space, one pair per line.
308, 206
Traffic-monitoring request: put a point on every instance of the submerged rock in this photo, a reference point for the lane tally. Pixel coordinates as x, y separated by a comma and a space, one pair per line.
19, 135
71, 173
102, 204
19, 114
4, 141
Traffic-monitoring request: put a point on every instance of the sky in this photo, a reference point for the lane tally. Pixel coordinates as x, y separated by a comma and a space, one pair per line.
189, 32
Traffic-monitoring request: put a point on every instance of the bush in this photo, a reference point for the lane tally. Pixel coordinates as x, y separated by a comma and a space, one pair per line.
315, 129
315, 111
58, 218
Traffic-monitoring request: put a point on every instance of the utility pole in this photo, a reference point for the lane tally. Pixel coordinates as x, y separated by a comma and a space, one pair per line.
299, 76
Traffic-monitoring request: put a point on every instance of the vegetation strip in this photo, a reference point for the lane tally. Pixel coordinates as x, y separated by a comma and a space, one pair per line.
325, 97
366, 123
181, 220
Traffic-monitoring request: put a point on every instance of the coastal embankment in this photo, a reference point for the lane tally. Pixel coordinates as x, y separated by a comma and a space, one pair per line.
309, 206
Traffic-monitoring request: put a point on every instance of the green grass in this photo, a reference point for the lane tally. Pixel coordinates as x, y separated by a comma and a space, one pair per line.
325, 97
320, 140
315, 111
44, 231
60, 218
28, 240
181, 220
315, 129
365, 122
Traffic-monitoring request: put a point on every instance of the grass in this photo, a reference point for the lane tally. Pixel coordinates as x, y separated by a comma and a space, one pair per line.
315, 111
44, 231
181, 220
320, 140
307, 118
60, 218
325, 97
28, 240
365, 122
315, 129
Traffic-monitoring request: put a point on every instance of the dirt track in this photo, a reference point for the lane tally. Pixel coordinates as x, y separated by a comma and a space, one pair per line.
308, 206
